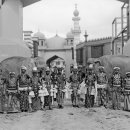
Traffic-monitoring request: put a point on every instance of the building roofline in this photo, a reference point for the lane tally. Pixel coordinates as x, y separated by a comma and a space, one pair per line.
95, 42
27, 31
52, 49
125, 1
99, 39
29, 2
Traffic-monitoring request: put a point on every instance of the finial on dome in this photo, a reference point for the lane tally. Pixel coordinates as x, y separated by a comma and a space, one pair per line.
56, 33
38, 30
76, 12
75, 6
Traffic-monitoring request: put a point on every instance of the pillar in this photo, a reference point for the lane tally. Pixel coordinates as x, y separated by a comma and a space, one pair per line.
128, 20
11, 30
35, 47
11, 17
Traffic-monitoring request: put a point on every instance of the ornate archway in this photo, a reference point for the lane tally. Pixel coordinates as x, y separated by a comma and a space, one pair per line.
55, 61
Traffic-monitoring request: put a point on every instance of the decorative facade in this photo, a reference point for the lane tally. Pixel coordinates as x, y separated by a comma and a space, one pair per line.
58, 50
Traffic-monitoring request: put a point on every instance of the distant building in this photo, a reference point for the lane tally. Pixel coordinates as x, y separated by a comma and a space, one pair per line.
27, 37
93, 49
58, 50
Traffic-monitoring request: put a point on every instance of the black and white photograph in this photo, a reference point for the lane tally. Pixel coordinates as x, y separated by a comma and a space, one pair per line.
64, 64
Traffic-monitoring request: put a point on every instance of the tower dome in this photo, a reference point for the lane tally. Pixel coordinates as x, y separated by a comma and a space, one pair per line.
76, 12
56, 42
39, 35
70, 35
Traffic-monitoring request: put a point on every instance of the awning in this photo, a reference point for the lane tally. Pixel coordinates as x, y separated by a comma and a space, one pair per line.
125, 1
29, 2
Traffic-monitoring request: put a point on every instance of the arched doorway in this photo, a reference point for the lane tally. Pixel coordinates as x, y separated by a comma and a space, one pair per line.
55, 61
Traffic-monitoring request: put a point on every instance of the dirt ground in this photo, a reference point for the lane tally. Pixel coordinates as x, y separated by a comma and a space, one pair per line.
67, 119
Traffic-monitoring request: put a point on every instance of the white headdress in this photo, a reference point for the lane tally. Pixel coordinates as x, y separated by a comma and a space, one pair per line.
23, 68
90, 66
35, 69
116, 68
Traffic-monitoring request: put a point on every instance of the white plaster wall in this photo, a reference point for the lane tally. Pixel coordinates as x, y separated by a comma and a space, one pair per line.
126, 49
107, 49
11, 19
11, 30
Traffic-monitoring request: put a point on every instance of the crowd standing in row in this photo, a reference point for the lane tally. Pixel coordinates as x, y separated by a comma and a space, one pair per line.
37, 92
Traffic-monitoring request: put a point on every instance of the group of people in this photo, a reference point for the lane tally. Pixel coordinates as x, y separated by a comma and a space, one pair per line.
107, 91
99, 89
29, 93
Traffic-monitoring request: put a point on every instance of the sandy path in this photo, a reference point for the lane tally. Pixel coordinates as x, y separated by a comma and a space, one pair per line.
67, 119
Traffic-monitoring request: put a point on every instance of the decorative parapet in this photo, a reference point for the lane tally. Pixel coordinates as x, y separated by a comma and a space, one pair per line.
94, 42
99, 39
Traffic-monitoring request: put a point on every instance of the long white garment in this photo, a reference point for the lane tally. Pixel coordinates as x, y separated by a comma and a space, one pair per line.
67, 90
95, 91
83, 89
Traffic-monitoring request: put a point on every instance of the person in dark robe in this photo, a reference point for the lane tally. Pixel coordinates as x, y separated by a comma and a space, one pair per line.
23, 86
34, 100
102, 81
12, 92
3, 97
47, 81
61, 78
126, 92
116, 85
75, 81
90, 79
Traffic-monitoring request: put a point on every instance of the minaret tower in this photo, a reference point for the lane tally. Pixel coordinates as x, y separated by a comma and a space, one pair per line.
76, 30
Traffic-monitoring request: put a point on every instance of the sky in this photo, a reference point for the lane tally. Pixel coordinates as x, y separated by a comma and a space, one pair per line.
55, 16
